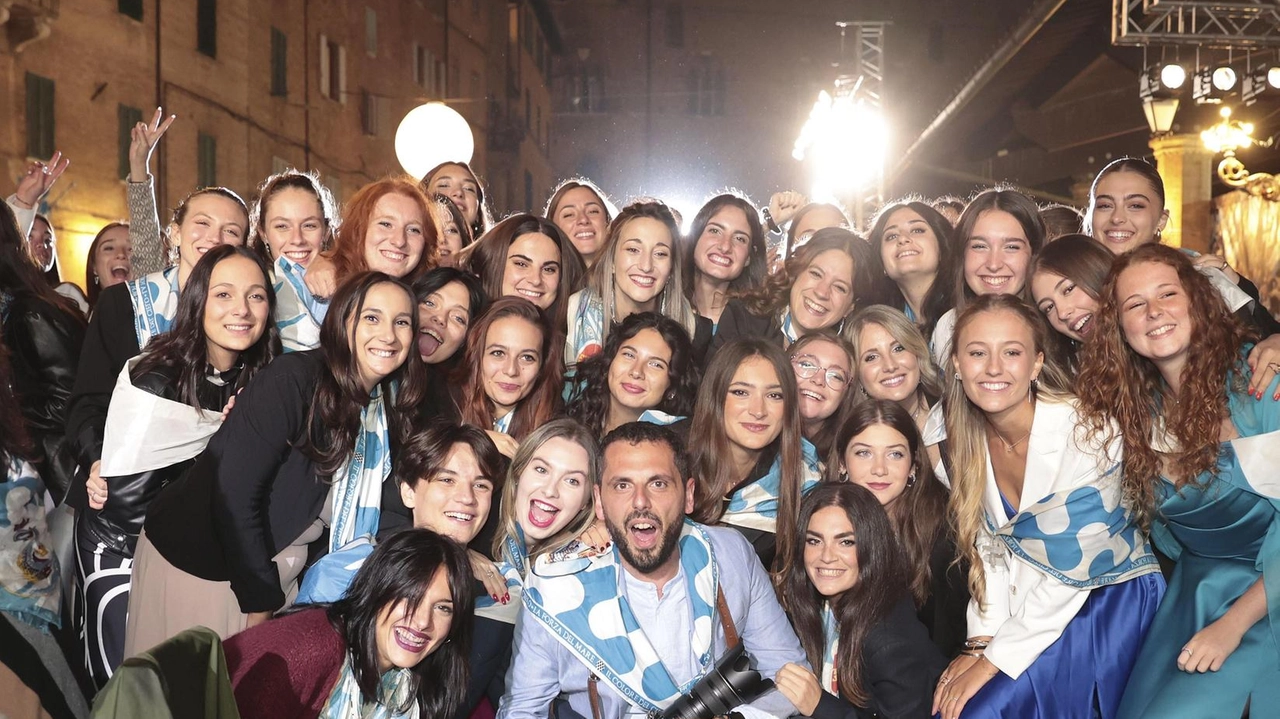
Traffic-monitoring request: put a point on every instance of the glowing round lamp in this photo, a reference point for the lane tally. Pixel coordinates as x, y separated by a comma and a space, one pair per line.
1172, 76
431, 134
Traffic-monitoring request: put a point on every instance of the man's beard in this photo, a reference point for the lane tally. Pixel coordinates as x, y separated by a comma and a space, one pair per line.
645, 560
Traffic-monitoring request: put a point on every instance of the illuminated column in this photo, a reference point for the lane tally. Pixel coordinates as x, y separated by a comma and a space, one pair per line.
1186, 166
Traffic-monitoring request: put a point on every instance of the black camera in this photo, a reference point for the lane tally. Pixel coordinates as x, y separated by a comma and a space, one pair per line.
730, 684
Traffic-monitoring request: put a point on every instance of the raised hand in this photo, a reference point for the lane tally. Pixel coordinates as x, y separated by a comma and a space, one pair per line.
145, 137
39, 179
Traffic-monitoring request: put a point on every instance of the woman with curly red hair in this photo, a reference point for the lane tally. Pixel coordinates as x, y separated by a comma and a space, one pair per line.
1167, 363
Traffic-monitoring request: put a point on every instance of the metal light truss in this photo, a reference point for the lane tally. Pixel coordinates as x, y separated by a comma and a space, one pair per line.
1206, 23
868, 44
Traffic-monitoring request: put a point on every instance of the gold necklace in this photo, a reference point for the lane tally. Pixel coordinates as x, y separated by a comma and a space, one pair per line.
1008, 448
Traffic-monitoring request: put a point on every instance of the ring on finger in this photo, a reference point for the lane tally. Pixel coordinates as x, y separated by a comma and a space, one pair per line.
1186, 650
1274, 367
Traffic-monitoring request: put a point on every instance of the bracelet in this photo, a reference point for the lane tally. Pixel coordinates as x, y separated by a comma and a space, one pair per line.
768, 220
977, 644
976, 655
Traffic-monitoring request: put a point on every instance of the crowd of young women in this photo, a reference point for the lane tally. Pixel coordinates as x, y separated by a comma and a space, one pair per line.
338, 440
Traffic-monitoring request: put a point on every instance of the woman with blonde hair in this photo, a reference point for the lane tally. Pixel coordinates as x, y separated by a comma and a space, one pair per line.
637, 271
1063, 584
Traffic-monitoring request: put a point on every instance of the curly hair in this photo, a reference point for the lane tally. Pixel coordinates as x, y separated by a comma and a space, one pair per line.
773, 295
591, 399
1127, 387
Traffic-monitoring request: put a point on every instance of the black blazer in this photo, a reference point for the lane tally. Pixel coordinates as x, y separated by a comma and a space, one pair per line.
252, 492
900, 669
944, 613
109, 343
44, 346
737, 321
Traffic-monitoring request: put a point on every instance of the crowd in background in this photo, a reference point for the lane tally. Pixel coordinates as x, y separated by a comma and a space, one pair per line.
989, 458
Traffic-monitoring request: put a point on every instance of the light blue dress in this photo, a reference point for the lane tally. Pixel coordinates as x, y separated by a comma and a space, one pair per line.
1224, 533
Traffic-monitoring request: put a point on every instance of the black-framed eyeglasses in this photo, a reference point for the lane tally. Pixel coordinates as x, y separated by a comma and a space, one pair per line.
806, 366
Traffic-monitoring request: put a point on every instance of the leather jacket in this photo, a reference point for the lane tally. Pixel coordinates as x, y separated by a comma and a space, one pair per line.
44, 347
119, 522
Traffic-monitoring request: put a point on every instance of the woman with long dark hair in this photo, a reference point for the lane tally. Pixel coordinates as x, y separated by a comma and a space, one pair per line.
308, 445
725, 254
1055, 617
746, 447
1168, 378
646, 367
878, 447
458, 182
1066, 282
845, 586
996, 238
513, 380
396, 644
43, 332
109, 260
816, 289
529, 257
911, 243
128, 316
166, 405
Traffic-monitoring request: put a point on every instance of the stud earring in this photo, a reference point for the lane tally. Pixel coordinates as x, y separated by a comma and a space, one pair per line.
957, 375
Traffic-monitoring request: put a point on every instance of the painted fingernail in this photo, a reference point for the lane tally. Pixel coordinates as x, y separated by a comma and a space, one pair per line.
495, 597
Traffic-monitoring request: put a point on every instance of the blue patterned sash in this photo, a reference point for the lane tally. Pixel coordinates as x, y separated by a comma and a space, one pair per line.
298, 314
155, 303
357, 491
586, 611
755, 506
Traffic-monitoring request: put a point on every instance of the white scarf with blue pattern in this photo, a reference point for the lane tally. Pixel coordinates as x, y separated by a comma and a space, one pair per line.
755, 506
357, 487
155, 303
298, 314
586, 612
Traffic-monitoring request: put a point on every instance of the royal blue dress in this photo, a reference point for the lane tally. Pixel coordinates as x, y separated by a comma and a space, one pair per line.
1081, 675
1224, 533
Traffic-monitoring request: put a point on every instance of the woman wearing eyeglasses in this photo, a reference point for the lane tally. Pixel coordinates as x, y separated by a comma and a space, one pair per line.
822, 363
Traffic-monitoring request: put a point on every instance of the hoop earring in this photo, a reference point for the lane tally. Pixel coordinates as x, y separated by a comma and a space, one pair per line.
911, 479
844, 475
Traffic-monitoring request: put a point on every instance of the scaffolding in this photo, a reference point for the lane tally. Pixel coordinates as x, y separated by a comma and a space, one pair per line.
1202, 23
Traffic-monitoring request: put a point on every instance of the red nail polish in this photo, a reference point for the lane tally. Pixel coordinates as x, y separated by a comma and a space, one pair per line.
495, 597
506, 597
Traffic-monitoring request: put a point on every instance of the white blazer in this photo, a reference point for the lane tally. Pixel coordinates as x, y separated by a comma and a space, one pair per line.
1027, 610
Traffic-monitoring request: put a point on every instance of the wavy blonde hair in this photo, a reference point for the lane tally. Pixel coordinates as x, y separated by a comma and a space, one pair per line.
967, 428
905, 332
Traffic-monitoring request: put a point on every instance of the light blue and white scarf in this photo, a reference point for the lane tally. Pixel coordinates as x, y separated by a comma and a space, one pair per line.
1080, 537
830, 646
586, 329
29, 576
298, 313
155, 303
584, 608
346, 701
755, 506
488, 608
357, 491
503, 424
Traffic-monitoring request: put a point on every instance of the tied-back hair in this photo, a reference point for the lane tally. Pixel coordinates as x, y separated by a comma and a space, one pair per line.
1009, 201
967, 427
357, 216
19, 275
93, 288
906, 333
562, 428
295, 179
773, 296
424, 453
601, 279
919, 514
1123, 164
573, 183
1085, 262
757, 255
486, 258
710, 448
591, 399
184, 347
1123, 386
882, 582
824, 438
180, 212
543, 401
484, 218
440, 203
938, 300
333, 421
399, 570
1059, 221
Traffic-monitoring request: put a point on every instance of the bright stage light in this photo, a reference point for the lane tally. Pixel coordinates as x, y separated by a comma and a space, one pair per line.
431, 134
1172, 76
845, 139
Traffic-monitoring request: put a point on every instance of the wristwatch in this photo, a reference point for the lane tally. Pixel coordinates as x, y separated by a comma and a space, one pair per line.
768, 220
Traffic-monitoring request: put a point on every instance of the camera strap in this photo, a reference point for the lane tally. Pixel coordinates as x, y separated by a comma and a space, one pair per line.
731, 640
